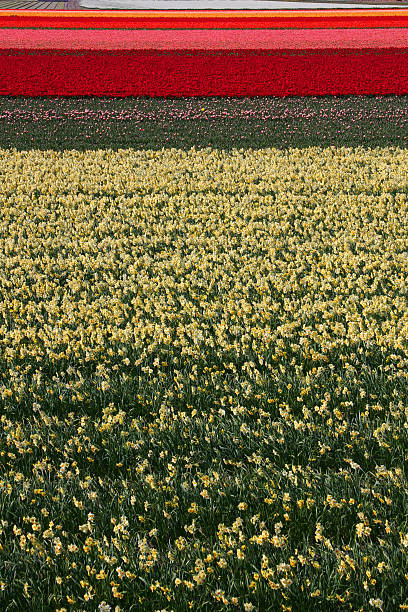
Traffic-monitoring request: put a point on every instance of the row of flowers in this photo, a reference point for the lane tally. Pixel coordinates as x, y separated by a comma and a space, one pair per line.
222, 122
203, 379
32, 73
390, 18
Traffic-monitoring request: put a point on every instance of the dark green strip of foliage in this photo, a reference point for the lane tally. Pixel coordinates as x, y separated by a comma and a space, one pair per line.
153, 123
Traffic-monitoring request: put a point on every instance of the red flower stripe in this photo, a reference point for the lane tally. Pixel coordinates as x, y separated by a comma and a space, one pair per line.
330, 19
203, 62
59, 72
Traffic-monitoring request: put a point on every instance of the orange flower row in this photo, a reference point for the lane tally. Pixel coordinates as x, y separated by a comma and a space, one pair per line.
327, 19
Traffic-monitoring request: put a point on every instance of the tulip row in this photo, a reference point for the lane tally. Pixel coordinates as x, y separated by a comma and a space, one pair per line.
203, 63
357, 18
65, 73
223, 123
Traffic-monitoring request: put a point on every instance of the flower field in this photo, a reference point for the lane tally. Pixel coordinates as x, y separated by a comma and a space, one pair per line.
214, 53
203, 354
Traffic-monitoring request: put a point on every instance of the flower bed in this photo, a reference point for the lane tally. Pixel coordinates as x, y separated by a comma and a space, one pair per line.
253, 123
203, 62
272, 19
203, 356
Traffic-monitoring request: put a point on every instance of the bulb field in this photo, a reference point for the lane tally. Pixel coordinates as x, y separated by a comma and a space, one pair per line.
203, 354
